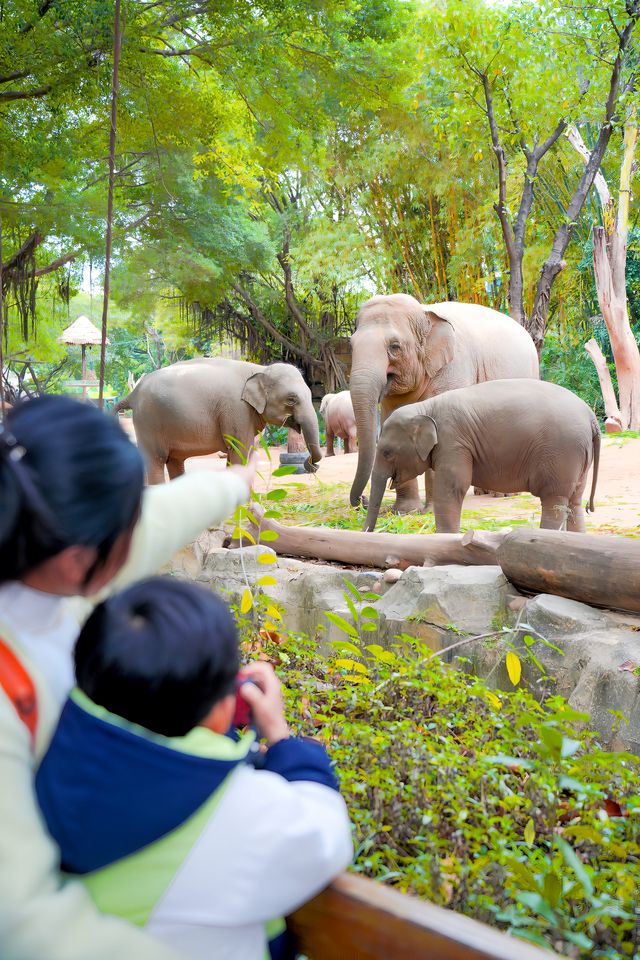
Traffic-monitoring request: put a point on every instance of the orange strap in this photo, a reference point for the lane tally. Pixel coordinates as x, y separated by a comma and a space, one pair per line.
19, 687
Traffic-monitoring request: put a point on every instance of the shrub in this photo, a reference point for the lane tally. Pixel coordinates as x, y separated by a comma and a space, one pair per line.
493, 805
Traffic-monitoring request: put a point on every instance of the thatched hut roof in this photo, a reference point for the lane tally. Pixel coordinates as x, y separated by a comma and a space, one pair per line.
81, 331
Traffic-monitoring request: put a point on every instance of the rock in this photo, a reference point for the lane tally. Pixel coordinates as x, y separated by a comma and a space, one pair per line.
392, 575
516, 603
556, 616
437, 603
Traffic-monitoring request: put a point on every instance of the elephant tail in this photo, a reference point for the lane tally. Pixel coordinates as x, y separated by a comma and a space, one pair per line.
595, 432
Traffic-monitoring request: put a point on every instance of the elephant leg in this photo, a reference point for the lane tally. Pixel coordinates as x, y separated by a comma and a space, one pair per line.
330, 439
576, 517
351, 444
408, 498
555, 512
450, 485
155, 470
428, 488
175, 468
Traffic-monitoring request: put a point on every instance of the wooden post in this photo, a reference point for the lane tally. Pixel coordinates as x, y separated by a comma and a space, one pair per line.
112, 172
83, 348
601, 570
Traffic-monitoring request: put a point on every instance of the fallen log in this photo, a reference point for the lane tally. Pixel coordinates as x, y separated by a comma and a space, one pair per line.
381, 550
598, 569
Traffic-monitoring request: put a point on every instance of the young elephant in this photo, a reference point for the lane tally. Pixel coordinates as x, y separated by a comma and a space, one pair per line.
339, 420
190, 408
504, 435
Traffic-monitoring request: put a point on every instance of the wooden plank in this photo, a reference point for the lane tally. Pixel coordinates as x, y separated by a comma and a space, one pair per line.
598, 569
358, 919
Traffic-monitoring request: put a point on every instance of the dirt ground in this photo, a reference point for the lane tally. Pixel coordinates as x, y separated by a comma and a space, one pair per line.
617, 494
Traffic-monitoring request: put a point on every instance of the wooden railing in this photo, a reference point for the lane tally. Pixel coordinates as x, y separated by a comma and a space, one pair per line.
358, 919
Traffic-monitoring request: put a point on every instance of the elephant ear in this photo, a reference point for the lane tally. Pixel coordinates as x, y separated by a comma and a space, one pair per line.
254, 392
325, 401
425, 437
437, 340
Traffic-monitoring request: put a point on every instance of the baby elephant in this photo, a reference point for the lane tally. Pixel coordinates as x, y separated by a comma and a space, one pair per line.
339, 420
503, 435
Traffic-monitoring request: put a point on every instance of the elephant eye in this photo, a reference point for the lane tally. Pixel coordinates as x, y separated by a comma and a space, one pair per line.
387, 454
292, 400
395, 348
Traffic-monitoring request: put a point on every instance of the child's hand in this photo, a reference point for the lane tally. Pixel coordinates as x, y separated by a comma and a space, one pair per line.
264, 697
247, 472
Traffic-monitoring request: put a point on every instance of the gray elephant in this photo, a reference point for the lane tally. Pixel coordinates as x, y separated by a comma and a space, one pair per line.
189, 409
507, 435
404, 351
339, 420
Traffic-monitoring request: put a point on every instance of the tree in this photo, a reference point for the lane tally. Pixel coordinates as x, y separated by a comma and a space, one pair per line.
609, 266
505, 57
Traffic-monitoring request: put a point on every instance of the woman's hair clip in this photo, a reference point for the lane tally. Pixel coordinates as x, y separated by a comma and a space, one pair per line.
10, 446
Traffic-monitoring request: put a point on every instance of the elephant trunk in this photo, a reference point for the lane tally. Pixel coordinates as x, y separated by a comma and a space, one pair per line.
378, 485
311, 434
366, 385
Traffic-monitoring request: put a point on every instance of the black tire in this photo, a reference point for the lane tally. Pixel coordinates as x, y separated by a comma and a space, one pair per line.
297, 460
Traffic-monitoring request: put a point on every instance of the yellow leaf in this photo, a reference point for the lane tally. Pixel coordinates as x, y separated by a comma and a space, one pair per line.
268, 625
514, 667
493, 700
266, 558
530, 832
247, 601
267, 581
356, 678
274, 612
351, 665
239, 533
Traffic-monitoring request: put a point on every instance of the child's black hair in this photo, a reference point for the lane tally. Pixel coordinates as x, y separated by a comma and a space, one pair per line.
69, 476
159, 654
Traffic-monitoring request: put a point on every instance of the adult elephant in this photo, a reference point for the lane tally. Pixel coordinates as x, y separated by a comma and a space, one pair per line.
404, 351
193, 407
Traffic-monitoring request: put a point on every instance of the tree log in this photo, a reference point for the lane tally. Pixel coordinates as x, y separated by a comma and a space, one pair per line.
382, 550
600, 570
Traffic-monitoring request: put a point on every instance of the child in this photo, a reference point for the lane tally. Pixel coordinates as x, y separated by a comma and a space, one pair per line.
158, 809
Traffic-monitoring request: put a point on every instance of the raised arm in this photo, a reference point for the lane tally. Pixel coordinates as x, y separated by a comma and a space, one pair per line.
174, 514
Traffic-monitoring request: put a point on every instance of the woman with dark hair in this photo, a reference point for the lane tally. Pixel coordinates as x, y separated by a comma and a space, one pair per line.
74, 520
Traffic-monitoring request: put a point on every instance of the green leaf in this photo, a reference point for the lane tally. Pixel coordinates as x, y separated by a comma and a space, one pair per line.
277, 494
530, 832
351, 587
285, 470
379, 653
268, 536
346, 645
369, 612
571, 859
342, 624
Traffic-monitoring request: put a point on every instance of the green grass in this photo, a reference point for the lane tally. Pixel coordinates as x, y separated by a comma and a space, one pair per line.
327, 505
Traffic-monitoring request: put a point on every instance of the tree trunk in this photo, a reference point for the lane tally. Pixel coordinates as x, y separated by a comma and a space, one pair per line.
609, 266
600, 570
296, 442
611, 408
382, 550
